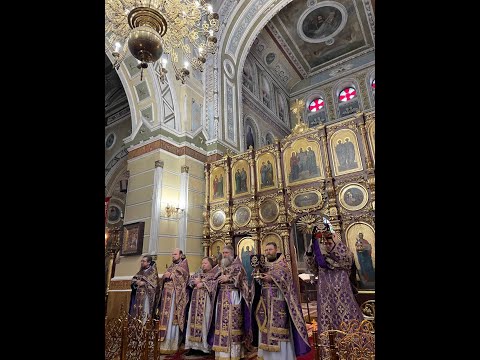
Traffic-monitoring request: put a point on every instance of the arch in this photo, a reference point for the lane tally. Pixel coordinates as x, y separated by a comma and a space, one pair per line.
269, 138
123, 75
351, 106
239, 18
250, 123
319, 117
249, 76
156, 98
266, 90
282, 107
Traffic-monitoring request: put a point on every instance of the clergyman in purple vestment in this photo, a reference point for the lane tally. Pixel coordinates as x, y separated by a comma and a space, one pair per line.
233, 333
173, 303
330, 259
144, 285
282, 333
204, 285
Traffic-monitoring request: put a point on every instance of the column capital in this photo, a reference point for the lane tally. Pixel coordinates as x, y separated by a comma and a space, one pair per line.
159, 163
185, 169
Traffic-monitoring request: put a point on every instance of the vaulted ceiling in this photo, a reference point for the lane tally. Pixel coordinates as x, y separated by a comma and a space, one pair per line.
115, 97
312, 39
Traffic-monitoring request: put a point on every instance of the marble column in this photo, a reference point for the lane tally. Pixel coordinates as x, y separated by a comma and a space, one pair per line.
183, 205
156, 203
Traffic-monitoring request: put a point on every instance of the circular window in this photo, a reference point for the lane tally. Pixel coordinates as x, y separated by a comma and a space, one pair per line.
347, 94
316, 105
110, 140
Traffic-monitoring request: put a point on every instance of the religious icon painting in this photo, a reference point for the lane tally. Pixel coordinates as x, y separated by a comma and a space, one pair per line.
246, 248
242, 215
269, 210
266, 172
217, 219
361, 242
302, 162
218, 184
132, 242
240, 178
345, 152
353, 197
307, 199
216, 249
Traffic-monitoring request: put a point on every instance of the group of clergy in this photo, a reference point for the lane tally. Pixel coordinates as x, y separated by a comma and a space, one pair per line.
216, 309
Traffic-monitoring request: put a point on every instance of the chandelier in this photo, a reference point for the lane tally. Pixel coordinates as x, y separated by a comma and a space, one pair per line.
183, 30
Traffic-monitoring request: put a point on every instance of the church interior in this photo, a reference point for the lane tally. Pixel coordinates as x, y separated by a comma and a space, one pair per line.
258, 134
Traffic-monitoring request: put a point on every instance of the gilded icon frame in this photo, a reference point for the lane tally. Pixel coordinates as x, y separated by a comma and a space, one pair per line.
212, 219
352, 206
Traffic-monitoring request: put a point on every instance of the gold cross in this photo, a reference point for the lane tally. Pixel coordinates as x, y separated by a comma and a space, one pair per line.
297, 109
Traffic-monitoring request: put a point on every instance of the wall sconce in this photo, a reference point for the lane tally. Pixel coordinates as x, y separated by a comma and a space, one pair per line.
171, 210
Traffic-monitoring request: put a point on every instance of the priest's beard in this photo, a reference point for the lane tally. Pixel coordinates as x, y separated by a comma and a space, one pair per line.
272, 257
227, 261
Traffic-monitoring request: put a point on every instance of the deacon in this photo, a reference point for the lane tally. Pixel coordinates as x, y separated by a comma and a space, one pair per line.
173, 302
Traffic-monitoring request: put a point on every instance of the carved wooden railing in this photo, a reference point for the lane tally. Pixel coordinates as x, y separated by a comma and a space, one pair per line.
127, 338
354, 340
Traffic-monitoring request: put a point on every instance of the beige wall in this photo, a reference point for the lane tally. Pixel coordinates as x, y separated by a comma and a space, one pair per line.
139, 206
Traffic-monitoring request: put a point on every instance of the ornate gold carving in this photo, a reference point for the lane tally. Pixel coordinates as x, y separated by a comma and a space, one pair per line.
358, 179
330, 103
308, 222
362, 81
363, 217
306, 191
347, 123
297, 109
366, 149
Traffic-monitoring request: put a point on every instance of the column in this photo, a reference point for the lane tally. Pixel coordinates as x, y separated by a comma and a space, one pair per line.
156, 201
183, 205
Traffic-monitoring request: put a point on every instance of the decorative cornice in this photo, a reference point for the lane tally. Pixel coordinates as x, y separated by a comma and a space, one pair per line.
330, 80
370, 16
213, 157
321, 69
163, 145
275, 34
119, 115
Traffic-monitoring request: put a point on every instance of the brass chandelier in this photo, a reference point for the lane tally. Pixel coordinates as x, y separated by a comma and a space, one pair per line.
182, 29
